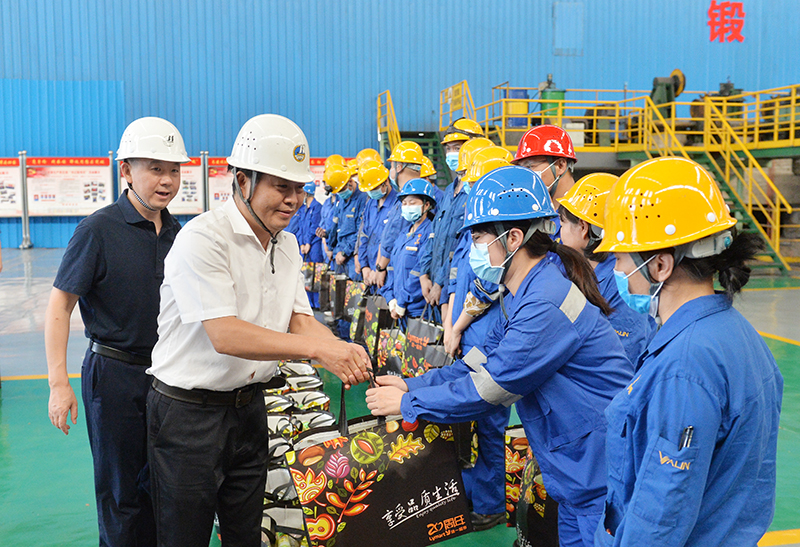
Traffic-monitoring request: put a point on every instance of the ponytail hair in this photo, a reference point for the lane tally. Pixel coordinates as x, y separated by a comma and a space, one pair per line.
578, 269
730, 264
594, 240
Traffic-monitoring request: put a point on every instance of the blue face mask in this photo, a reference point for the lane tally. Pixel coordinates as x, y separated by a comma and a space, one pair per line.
466, 187
377, 193
451, 159
482, 265
641, 303
411, 213
345, 194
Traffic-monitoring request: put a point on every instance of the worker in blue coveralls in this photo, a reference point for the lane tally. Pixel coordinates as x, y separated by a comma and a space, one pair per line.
435, 263
692, 440
113, 267
553, 351
310, 243
350, 213
473, 310
373, 180
405, 295
405, 164
581, 213
330, 215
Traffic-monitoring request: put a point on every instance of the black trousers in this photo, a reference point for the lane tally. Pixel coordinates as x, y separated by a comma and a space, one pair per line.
114, 395
207, 459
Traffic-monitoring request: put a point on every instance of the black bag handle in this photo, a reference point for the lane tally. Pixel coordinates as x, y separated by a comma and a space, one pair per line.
344, 430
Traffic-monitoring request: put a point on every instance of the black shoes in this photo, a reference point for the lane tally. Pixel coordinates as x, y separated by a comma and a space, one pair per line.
484, 522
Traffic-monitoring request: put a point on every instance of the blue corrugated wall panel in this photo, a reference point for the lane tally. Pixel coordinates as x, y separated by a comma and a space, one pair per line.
74, 72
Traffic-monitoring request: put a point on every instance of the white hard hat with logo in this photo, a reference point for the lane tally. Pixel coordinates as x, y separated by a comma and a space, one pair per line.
152, 138
275, 145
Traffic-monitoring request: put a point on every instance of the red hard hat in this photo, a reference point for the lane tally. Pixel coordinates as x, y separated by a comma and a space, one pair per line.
545, 140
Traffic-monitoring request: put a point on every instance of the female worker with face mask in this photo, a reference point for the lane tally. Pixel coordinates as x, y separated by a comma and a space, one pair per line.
404, 294
552, 351
692, 440
581, 214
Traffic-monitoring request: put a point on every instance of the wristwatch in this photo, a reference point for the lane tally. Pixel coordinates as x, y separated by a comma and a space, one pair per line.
380, 269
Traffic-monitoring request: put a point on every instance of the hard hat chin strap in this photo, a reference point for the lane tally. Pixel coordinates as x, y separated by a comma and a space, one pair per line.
139, 199
554, 186
273, 237
510, 255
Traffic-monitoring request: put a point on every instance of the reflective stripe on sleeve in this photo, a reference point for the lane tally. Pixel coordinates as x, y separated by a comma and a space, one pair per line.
454, 273
490, 391
573, 304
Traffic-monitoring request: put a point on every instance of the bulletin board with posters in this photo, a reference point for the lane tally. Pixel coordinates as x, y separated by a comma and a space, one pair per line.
69, 186
190, 196
219, 182
10, 188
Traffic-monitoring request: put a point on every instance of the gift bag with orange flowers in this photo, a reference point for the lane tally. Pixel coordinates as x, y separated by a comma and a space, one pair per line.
371, 481
528, 507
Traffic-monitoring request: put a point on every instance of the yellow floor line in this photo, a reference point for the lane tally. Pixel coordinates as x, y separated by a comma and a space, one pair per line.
33, 377
772, 289
780, 338
783, 537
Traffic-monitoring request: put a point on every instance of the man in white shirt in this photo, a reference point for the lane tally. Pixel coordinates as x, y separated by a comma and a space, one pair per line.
232, 304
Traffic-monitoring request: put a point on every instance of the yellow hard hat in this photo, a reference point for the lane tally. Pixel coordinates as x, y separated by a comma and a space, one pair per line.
352, 167
334, 159
468, 150
587, 197
462, 129
407, 152
371, 174
662, 203
336, 176
485, 160
367, 154
427, 169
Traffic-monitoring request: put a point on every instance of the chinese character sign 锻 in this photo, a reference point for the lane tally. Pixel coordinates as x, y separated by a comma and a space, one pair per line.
726, 20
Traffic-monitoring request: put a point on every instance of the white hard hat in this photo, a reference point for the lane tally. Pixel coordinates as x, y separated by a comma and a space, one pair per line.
152, 138
274, 145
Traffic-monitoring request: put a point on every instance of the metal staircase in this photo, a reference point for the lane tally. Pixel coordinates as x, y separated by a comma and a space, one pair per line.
725, 134
753, 200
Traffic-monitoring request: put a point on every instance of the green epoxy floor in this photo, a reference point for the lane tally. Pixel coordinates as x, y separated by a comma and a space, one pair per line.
46, 484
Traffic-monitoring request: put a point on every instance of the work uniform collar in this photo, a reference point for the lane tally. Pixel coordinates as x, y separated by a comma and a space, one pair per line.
687, 314
605, 269
389, 198
535, 271
132, 216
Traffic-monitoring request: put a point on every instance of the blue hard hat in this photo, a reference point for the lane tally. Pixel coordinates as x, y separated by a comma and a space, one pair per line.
310, 187
418, 187
507, 194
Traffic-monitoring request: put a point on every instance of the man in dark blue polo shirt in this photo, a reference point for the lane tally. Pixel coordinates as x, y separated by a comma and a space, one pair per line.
113, 267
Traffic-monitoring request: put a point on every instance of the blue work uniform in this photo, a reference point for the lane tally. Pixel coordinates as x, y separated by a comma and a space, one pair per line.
449, 219
376, 217
309, 217
557, 357
349, 221
633, 328
294, 224
485, 482
330, 222
394, 226
115, 263
405, 286
707, 368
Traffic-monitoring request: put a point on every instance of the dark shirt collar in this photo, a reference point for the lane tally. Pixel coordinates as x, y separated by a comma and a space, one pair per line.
132, 216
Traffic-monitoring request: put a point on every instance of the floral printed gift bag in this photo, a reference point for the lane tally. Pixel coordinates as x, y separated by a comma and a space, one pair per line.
372, 482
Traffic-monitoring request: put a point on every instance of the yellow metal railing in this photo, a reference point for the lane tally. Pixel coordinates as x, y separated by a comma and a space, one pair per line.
387, 121
744, 176
724, 129
454, 100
